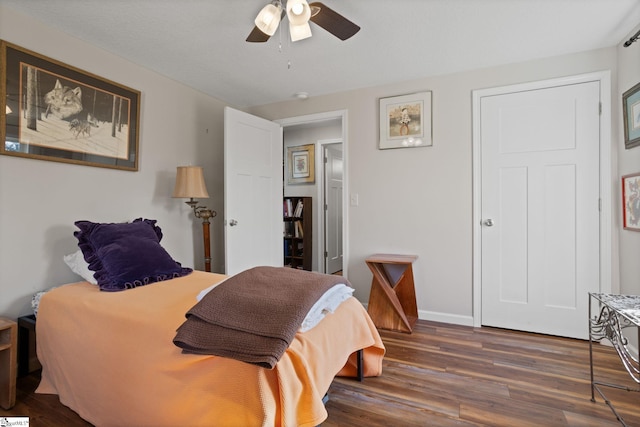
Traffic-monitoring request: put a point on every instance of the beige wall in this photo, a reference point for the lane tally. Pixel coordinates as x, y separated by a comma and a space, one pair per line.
628, 162
40, 200
419, 201
302, 135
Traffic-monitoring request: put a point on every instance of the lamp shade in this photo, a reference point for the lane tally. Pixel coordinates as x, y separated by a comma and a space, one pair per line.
269, 18
190, 183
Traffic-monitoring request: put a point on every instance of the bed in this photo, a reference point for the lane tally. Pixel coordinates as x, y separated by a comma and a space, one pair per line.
109, 356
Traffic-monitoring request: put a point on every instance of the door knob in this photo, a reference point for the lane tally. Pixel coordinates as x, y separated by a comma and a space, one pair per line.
488, 222
233, 222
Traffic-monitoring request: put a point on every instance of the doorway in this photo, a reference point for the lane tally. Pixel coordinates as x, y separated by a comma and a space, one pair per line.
321, 129
541, 203
330, 192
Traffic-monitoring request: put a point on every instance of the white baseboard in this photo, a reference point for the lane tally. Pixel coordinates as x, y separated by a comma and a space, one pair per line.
442, 317
455, 319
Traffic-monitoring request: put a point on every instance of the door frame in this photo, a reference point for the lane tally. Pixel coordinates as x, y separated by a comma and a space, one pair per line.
321, 187
318, 118
604, 78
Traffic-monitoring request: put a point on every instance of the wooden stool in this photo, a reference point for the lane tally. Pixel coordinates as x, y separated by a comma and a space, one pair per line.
8, 362
392, 301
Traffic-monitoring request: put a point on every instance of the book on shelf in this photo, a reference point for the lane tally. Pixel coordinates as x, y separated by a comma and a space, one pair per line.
289, 211
298, 212
296, 223
289, 229
288, 208
287, 249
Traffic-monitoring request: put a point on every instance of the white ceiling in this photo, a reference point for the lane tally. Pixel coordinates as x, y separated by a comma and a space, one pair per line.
202, 42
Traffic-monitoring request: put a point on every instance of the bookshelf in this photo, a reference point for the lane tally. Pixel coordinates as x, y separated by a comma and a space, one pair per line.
298, 229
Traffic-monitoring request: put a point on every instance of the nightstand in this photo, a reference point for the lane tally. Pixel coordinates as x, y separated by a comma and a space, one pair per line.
27, 358
8, 362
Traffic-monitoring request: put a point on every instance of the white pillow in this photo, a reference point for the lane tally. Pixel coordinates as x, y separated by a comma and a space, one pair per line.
78, 265
327, 303
206, 291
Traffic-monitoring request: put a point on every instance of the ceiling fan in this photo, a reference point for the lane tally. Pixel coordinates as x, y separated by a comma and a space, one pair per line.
299, 13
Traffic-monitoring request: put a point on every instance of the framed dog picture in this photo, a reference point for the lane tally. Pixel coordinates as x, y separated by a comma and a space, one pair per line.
53, 111
631, 202
405, 121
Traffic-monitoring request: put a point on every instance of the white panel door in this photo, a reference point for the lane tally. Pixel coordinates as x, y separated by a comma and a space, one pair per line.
540, 208
252, 191
333, 175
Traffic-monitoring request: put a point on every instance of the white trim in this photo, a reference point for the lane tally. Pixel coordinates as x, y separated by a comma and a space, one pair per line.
321, 117
604, 78
455, 319
435, 316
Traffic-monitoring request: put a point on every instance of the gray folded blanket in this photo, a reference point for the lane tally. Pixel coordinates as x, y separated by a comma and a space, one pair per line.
254, 315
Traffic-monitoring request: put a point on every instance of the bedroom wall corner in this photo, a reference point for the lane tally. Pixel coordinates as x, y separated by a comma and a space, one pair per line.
628, 163
626, 245
40, 200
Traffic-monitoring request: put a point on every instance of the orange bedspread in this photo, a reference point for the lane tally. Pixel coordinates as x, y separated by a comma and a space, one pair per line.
110, 357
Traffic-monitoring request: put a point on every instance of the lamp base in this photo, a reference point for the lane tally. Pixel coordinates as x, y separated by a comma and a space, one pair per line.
204, 214
207, 245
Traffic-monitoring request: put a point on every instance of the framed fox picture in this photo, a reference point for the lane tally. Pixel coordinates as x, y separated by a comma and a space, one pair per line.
53, 111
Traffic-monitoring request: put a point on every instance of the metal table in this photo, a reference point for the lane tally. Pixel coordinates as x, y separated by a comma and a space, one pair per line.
615, 313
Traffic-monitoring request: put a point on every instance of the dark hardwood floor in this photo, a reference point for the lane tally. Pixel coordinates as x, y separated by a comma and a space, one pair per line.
447, 375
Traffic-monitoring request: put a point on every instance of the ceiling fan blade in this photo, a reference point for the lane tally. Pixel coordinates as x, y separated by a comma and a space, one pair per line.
257, 36
332, 21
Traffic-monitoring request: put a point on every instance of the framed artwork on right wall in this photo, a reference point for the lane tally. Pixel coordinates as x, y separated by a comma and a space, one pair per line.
631, 113
631, 202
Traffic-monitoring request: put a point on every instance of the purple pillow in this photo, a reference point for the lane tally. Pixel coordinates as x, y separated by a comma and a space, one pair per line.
126, 255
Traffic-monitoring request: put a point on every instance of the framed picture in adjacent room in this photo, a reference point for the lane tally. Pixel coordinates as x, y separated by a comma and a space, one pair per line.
301, 164
54, 111
631, 202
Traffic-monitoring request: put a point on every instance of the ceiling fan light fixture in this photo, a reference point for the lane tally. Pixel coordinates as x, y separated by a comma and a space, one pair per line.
299, 32
297, 9
268, 19
298, 12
